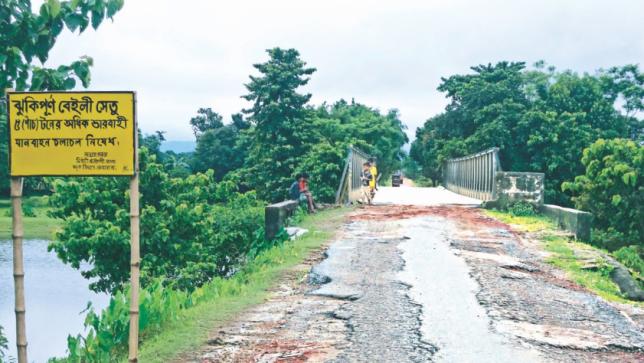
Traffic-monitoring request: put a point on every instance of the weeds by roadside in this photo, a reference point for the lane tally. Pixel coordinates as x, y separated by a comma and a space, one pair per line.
568, 255
174, 321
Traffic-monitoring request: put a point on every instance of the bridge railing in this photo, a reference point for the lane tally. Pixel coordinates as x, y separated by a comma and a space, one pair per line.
473, 175
350, 184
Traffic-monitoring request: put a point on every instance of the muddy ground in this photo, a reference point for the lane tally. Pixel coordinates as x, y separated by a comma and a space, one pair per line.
418, 284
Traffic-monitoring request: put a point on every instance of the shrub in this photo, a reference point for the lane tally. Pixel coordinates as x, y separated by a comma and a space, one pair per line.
612, 188
631, 257
522, 208
27, 211
108, 331
192, 229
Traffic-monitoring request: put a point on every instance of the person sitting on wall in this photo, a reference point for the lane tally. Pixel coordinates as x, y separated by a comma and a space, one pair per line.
300, 192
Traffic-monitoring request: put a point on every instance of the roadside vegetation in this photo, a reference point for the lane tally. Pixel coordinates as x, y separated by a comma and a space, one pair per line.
37, 222
584, 131
569, 255
174, 321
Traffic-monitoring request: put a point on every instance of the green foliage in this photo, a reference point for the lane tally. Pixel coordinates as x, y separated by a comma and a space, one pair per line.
107, 332
522, 209
612, 188
567, 255
633, 258
26, 36
27, 211
205, 120
192, 229
335, 128
220, 147
540, 119
411, 169
280, 132
423, 182
3, 345
283, 136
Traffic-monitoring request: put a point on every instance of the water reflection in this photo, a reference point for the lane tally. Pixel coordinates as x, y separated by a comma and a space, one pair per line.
55, 295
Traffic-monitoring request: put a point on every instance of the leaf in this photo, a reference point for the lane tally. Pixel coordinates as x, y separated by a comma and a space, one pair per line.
73, 21
630, 178
69, 83
97, 18
113, 6
616, 199
54, 7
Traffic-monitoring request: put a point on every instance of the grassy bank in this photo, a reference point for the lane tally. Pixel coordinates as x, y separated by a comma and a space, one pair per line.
35, 220
249, 287
567, 254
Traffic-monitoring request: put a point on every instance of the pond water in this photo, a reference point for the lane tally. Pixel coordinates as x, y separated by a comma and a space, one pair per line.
55, 295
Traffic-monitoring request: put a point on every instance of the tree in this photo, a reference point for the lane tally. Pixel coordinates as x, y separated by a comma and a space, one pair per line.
612, 189
280, 132
205, 120
627, 84
218, 146
26, 36
540, 119
192, 228
217, 149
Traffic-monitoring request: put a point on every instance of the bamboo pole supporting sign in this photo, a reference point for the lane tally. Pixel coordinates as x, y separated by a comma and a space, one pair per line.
72, 134
18, 267
135, 261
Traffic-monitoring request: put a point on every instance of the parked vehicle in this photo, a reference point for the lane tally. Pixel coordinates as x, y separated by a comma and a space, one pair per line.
396, 179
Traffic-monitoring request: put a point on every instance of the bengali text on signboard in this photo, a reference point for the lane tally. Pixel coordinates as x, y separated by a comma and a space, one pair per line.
71, 133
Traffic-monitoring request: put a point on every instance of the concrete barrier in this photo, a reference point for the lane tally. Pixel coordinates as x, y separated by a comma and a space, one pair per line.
511, 186
275, 216
572, 220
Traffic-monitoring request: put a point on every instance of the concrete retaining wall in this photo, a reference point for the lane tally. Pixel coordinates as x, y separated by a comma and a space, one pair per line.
275, 216
572, 220
510, 186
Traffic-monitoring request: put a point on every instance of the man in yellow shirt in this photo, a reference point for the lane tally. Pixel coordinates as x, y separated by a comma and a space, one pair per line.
374, 177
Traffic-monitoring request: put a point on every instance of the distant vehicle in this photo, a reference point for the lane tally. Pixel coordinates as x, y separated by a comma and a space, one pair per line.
396, 179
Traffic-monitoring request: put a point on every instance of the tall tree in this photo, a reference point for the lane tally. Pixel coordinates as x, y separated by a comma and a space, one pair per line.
541, 119
205, 120
219, 146
26, 36
281, 132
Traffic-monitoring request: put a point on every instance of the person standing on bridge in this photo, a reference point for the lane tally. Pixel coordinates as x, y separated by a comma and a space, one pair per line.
373, 183
365, 178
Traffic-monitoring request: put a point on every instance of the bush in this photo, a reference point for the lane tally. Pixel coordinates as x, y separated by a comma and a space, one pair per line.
27, 211
107, 332
631, 257
612, 188
192, 229
522, 208
423, 182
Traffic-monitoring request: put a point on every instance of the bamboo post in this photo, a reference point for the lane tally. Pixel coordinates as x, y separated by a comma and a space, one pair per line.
135, 257
135, 262
18, 268
17, 235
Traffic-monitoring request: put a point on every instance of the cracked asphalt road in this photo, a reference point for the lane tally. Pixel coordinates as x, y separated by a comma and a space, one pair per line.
429, 282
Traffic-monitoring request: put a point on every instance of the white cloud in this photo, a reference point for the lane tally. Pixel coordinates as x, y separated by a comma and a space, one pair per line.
180, 56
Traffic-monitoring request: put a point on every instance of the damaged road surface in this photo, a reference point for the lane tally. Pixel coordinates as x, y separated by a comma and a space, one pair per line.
424, 283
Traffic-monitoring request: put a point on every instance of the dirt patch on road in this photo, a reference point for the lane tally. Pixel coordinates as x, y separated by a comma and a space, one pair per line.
460, 214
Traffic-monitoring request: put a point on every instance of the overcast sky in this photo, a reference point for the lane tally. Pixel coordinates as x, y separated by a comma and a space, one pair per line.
182, 55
